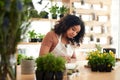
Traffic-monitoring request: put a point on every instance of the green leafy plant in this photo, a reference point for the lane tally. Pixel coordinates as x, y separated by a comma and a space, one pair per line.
63, 10
40, 61
98, 47
97, 58
33, 13
49, 67
32, 34
60, 64
19, 58
28, 58
13, 19
54, 11
40, 37
50, 62
43, 14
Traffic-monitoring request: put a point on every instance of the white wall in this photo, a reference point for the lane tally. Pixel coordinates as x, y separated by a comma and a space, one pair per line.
115, 28
44, 27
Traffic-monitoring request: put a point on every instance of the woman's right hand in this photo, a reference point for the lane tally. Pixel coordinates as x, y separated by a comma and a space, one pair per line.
68, 58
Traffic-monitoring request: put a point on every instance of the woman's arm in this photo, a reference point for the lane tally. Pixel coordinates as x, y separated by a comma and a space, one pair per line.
73, 58
44, 50
70, 59
46, 44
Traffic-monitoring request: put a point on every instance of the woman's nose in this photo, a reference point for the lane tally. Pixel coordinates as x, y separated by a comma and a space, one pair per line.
74, 33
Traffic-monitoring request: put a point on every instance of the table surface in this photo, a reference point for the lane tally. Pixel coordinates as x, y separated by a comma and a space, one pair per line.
84, 73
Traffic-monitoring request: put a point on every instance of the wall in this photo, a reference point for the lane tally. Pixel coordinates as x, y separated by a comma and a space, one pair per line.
42, 27
115, 22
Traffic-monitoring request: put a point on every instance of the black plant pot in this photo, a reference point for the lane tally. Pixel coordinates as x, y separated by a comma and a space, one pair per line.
39, 75
94, 68
61, 15
109, 69
33, 40
102, 68
40, 40
49, 76
45, 16
59, 75
54, 16
109, 49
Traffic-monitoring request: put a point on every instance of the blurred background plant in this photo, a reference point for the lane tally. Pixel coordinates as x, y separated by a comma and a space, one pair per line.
101, 60
20, 56
98, 47
62, 11
14, 21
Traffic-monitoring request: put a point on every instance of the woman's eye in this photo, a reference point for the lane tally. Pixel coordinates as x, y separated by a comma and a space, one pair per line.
77, 32
73, 29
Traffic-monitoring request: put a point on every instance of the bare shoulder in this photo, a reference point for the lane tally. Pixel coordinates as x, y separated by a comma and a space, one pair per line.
52, 34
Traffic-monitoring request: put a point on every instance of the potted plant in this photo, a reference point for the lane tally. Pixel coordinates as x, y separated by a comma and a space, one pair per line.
40, 37
101, 61
39, 72
33, 13
27, 65
12, 17
54, 11
20, 56
32, 35
62, 11
45, 66
43, 14
59, 68
48, 67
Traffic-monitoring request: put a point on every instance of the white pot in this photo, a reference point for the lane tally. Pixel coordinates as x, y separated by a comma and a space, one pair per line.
27, 66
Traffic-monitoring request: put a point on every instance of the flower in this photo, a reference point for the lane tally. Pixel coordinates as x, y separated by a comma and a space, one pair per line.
97, 58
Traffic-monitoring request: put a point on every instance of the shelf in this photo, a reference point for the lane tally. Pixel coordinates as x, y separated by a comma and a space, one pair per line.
96, 16
92, 46
90, 11
96, 23
98, 34
29, 43
105, 2
42, 19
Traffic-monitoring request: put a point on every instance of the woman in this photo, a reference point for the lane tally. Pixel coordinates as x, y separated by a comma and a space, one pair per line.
61, 41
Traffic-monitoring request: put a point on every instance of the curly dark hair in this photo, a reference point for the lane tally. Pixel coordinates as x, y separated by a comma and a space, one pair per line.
67, 22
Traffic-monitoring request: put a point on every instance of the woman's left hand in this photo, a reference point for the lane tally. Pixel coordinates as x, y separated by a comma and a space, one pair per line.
68, 58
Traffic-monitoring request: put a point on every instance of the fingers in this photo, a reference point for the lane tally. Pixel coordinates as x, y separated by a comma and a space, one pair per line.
68, 59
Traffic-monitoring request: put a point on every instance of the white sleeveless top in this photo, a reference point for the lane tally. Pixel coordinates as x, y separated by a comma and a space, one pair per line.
62, 50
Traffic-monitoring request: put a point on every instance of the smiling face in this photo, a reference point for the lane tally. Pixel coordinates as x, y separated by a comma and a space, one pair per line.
73, 31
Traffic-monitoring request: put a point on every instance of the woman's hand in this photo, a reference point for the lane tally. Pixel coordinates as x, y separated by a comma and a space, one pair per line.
68, 58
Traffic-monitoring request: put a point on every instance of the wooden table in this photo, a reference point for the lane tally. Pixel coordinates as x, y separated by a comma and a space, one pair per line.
84, 73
